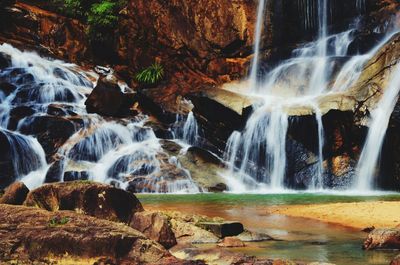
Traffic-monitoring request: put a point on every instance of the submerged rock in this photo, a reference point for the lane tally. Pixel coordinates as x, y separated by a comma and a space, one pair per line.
383, 239
396, 260
108, 99
99, 200
231, 242
14, 194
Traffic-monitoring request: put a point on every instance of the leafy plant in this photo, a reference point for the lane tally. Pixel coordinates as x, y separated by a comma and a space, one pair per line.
55, 221
102, 19
151, 75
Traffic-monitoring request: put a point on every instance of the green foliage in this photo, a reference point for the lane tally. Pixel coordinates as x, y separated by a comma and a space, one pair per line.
151, 75
102, 19
55, 221
100, 15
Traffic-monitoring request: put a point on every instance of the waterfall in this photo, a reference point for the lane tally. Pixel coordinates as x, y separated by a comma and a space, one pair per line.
361, 6
190, 130
122, 152
258, 153
28, 158
257, 43
367, 165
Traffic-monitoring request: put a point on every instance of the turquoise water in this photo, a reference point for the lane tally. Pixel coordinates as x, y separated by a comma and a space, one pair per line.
301, 239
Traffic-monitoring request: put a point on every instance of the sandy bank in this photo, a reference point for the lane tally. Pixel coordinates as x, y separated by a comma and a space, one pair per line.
358, 215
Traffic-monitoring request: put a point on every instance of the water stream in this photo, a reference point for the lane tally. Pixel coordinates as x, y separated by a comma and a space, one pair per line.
124, 152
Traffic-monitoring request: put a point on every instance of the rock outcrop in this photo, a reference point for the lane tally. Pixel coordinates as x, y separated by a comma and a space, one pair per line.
155, 226
33, 234
108, 99
94, 199
15, 194
383, 239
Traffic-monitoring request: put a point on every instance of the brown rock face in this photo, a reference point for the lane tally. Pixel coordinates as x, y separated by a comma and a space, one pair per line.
35, 234
15, 194
108, 99
383, 239
101, 201
155, 226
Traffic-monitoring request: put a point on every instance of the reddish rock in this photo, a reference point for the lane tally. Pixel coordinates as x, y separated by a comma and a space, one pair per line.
231, 242
395, 261
155, 226
34, 234
101, 201
15, 194
383, 239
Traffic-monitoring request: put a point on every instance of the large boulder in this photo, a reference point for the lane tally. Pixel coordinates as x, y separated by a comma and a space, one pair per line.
155, 226
108, 99
15, 194
33, 234
101, 201
383, 239
51, 131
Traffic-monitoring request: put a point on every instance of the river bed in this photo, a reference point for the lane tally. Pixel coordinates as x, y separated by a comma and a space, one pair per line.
298, 238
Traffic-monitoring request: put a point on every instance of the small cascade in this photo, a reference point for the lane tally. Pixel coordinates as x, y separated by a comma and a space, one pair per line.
28, 158
191, 130
123, 152
368, 163
257, 43
361, 6
318, 181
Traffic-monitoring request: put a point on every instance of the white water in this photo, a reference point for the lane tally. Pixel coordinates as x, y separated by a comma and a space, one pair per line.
123, 152
257, 43
380, 117
296, 82
191, 130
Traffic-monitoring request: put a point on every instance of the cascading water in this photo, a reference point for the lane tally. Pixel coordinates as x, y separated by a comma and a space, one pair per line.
191, 130
367, 165
124, 152
259, 153
257, 42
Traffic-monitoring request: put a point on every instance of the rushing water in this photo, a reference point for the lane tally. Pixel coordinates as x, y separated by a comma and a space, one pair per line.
257, 43
377, 130
124, 152
257, 155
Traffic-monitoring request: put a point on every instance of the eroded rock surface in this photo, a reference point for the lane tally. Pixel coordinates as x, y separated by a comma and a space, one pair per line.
99, 200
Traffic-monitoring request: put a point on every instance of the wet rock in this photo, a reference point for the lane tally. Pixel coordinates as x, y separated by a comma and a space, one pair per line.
51, 131
249, 236
5, 61
34, 234
14, 194
108, 99
13, 147
55, 172
101, 201
7, 88
60, 110
368, 229
190, 233
383, 239
76, 175
396, 260
222, 229
231, 242
17, 114
155, 226
204, 168
219, 113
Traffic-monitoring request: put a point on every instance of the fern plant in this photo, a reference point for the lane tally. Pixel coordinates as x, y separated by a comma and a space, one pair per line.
151, 75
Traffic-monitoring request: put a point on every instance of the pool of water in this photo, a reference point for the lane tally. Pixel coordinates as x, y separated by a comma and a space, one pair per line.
299, 238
